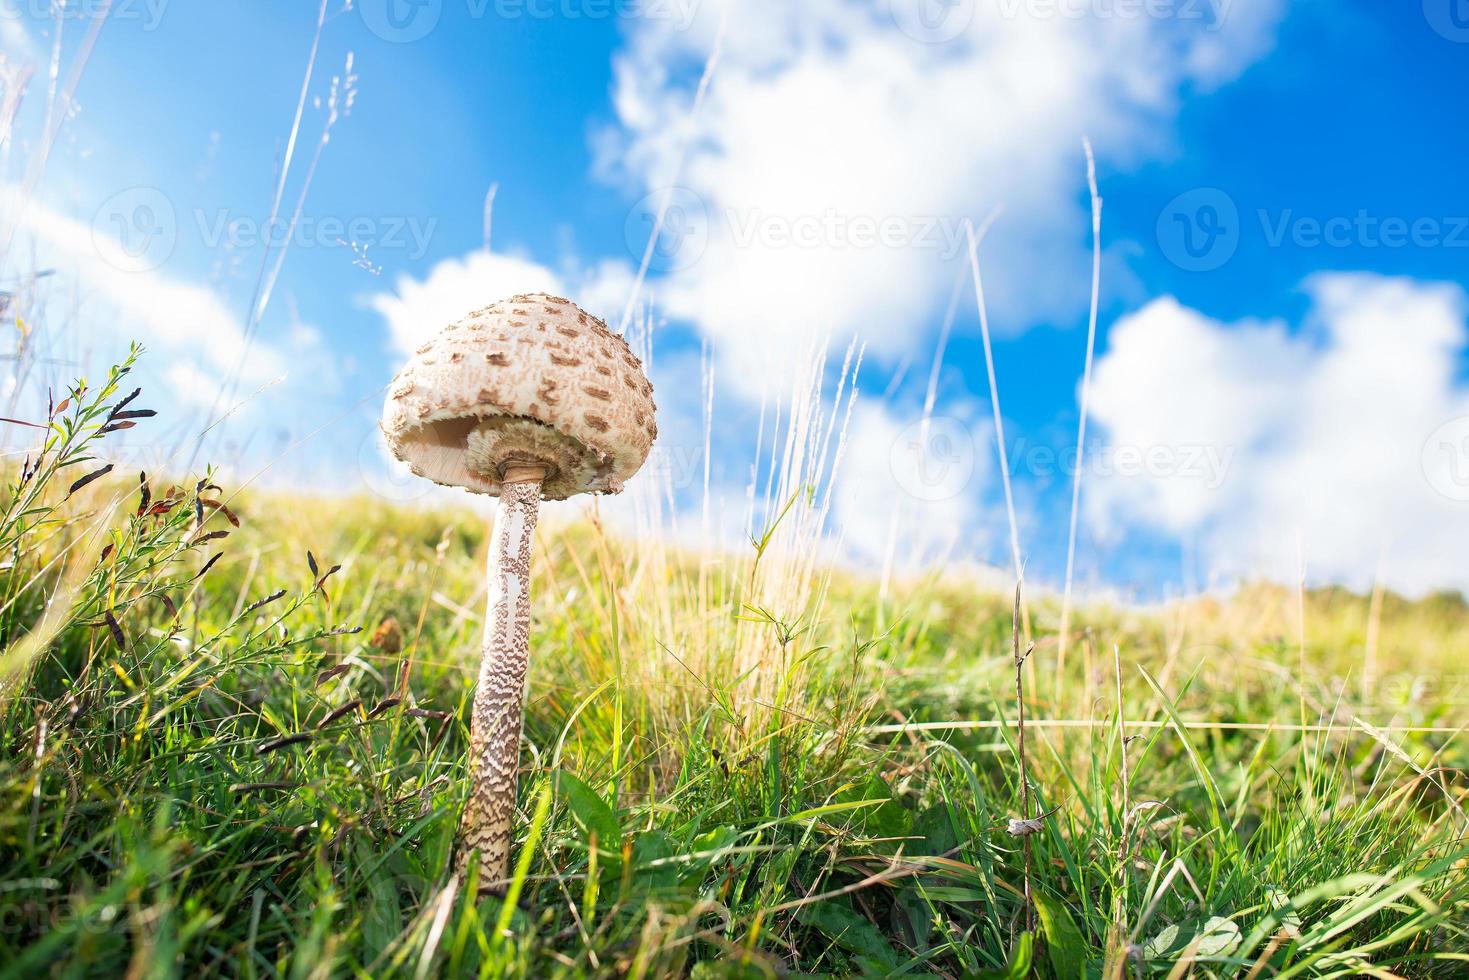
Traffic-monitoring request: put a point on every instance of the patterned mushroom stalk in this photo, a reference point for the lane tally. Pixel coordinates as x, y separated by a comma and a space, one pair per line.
527, 400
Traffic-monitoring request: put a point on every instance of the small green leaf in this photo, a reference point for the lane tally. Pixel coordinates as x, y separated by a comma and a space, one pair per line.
917, 916
651, 869
1018, 968
731, 968
850, 931
713, 841
1065, 947
591, 812
946, 893
1215, 937
936, 826
884, 820
1278, 899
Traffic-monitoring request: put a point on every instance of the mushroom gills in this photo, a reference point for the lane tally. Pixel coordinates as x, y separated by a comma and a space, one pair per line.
501, 441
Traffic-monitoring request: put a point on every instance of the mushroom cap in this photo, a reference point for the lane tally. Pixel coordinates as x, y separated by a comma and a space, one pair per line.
531, 379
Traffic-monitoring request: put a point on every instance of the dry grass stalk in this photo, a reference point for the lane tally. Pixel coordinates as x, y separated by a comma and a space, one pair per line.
1026, 825
1086, 387
989, 364
1117, 951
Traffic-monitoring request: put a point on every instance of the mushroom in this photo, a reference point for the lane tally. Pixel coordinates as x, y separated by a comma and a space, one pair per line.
529, 399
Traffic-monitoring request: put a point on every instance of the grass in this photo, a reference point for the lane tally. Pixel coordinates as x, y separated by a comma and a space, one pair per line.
221, 754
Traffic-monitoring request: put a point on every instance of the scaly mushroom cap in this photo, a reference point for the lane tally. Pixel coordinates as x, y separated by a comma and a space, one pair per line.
530, 380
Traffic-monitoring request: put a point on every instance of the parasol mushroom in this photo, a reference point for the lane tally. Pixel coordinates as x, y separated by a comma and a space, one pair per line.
529, 399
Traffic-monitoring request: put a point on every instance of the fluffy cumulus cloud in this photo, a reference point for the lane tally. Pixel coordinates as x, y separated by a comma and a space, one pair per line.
417, 309
16, 47
1345, 441
820, 194
841, 145
112, 294
906, 501
87, 295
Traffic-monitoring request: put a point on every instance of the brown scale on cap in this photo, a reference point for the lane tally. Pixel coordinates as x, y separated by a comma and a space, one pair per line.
526, 380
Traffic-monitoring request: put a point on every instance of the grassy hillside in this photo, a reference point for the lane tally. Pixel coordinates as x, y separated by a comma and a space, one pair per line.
233, 726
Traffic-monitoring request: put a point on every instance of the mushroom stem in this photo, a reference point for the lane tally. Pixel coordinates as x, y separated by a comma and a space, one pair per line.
499, 697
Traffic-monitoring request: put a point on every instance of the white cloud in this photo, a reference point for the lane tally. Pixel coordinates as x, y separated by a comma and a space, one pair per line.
1335, 433
190, 387
116, 295
905, 493
418, 309
835, 156
15, 44
143, 302
910, 494
88, 297
603, 289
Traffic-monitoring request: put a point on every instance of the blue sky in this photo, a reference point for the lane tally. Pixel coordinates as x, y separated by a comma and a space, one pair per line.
1285, 231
